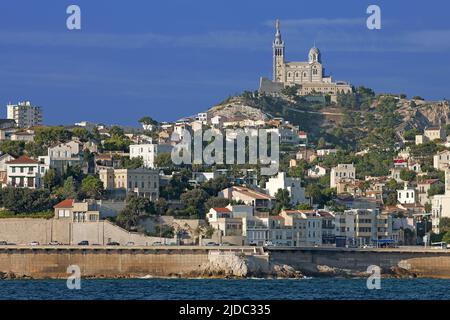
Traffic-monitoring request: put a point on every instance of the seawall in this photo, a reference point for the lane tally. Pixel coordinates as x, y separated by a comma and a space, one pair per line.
117, 262
186, 261
434, 263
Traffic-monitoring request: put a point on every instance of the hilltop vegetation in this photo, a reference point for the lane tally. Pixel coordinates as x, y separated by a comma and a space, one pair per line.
357, 121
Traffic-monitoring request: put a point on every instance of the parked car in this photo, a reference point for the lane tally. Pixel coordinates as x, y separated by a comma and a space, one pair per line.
83, 243
130, 244
3, 243
269, 244
34, 243
113, 243
157, 243
54, 243
211, 244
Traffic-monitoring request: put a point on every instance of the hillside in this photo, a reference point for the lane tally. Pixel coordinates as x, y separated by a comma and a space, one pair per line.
237, 109
357, 120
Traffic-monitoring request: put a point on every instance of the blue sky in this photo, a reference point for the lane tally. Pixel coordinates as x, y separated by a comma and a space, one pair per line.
168, 59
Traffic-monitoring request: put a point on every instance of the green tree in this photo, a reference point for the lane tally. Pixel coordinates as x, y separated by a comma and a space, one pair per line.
283, 200
82, 134
176, 186
92, 187
147, 121
444, 224
14, 148
435, 190
35, 150
304, 206
164, 160
51, 179
46, 136
214, 186
132, 163
195, 201
161, 206
68, 190
407, 175
135, 210
116, 131
446, 237
25, 200
216, 202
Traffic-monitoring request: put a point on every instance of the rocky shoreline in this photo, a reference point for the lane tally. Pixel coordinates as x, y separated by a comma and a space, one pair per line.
277, 271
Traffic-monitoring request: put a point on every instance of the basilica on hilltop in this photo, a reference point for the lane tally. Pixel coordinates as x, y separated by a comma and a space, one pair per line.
309, 75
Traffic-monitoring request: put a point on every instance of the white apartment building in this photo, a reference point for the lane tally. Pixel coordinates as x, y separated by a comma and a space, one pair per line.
293, 185
342, 172
143, 182
25, 172
149, 152
440, 204
25, 114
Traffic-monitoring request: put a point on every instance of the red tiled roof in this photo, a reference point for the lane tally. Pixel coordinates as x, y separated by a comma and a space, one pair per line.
222, 209
429, 181
23, 160
68, 203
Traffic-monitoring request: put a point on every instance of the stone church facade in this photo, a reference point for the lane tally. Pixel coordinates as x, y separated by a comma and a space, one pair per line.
309, 75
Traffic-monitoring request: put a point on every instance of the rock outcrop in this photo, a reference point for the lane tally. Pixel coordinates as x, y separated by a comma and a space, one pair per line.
244, 266
235, 109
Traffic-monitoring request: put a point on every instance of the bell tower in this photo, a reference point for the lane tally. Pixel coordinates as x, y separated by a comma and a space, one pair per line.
278, 55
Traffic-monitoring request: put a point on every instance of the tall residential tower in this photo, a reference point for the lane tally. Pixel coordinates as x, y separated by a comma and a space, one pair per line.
25, 114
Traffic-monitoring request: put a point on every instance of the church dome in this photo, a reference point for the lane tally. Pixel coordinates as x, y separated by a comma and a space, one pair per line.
314, 54
314, 50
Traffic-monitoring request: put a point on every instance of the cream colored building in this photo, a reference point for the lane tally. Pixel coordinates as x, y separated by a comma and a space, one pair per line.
342, 172
144, 182
363, 226
435, 133
259, 201
75, 211
441, 161
308, 75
